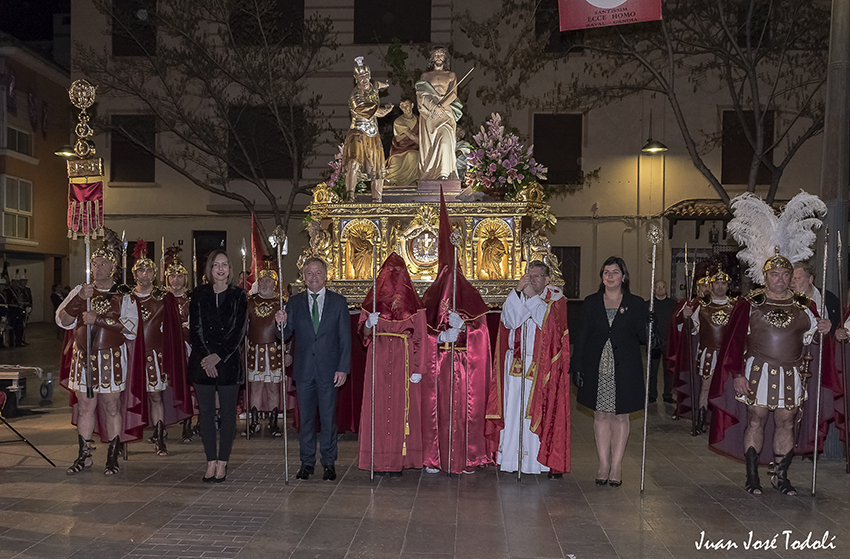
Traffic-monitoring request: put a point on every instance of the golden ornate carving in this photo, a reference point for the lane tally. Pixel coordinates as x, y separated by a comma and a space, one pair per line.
405, 222
778, 318
321, 246
720, 318
535, 246
263, 309
100, 304
358, 237
492, 237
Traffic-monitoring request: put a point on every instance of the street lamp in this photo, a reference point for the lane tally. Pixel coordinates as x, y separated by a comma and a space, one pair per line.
652, 146
65, 151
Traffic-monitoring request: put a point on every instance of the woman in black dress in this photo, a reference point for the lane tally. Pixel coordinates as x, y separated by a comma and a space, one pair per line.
217, 323
607, 365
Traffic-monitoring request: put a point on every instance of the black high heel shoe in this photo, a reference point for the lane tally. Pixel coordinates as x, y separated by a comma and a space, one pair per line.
613, 483
601, 481
222, 478
210, 479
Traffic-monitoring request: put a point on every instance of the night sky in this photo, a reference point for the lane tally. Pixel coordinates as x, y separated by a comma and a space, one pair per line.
31, 20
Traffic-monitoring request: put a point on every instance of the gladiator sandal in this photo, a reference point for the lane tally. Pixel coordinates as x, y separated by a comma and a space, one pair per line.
187, 431
779, 480
273, 428
112, 457
753, 485
255, 421
161, 435
83, 462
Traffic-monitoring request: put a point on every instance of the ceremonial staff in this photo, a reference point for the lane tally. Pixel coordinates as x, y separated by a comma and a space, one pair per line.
654, 237
85, 195
820, 360
124, 256
374, 339
247, 384
281, 243
519, 452
841, 302
89, 388
455, 239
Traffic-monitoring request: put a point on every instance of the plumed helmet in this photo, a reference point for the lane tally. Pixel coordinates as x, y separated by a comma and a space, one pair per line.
140, 253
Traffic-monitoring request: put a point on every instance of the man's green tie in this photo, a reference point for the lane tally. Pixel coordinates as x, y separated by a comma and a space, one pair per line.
315, 312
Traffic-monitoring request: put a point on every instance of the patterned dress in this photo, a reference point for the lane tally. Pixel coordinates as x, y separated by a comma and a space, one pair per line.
606, 392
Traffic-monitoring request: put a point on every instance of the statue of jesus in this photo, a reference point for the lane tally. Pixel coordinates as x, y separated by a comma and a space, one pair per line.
439, 110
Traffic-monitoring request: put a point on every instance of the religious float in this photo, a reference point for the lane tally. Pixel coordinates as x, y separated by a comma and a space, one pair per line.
499, 238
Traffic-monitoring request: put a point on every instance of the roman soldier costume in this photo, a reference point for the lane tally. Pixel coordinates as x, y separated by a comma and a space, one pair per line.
767, 338
265, 353
114, 328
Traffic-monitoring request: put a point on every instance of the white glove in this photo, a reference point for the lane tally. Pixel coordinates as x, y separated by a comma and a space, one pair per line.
455, 321
449, 335
373, 319
415, 378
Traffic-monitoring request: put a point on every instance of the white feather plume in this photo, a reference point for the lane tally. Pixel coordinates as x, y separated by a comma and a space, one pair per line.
760, 231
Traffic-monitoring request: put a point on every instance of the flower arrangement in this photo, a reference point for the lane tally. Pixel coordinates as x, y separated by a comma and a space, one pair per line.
336, 181
498, 165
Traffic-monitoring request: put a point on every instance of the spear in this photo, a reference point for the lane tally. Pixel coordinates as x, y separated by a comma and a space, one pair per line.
688, 354
162, 262
194, 264
124, 256
654, 236
281, 243
455, 240
374, 340
820, 361
247, 384
841, 303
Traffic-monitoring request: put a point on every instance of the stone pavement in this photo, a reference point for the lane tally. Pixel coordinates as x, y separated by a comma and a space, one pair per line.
158, 507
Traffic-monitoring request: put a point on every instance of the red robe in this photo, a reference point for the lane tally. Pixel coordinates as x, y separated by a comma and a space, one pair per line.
398, 427
549, 403
681, 358
177, 397
465, 391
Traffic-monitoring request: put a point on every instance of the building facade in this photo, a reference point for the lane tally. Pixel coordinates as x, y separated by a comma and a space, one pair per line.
609, 215
34, 120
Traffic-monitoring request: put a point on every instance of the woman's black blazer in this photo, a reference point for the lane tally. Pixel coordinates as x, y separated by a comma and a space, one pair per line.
220, 330
627, 333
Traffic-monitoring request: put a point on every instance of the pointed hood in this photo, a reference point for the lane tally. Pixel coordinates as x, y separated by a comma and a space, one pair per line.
397, 298
438, 297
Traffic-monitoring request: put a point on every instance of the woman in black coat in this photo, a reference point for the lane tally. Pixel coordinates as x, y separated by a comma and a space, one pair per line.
217, 324
607, 364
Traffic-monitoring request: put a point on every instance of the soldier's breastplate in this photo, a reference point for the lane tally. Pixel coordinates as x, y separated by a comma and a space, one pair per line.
262, 326
106, 305
712, 323
776, 333
153, 314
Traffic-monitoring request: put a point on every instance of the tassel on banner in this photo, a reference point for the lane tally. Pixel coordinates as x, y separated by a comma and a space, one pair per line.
85, 210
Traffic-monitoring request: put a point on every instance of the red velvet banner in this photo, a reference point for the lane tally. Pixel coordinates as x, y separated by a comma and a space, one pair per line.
584, 14
85, 208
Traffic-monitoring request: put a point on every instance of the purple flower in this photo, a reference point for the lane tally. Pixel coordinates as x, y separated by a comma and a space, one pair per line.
492, 168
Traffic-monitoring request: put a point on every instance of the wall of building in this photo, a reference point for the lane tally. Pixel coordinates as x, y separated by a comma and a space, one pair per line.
610, 216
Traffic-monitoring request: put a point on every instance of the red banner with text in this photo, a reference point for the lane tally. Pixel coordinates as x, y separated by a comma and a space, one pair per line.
584, 14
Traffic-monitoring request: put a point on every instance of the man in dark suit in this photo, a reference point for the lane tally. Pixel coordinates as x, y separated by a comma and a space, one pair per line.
319, 321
